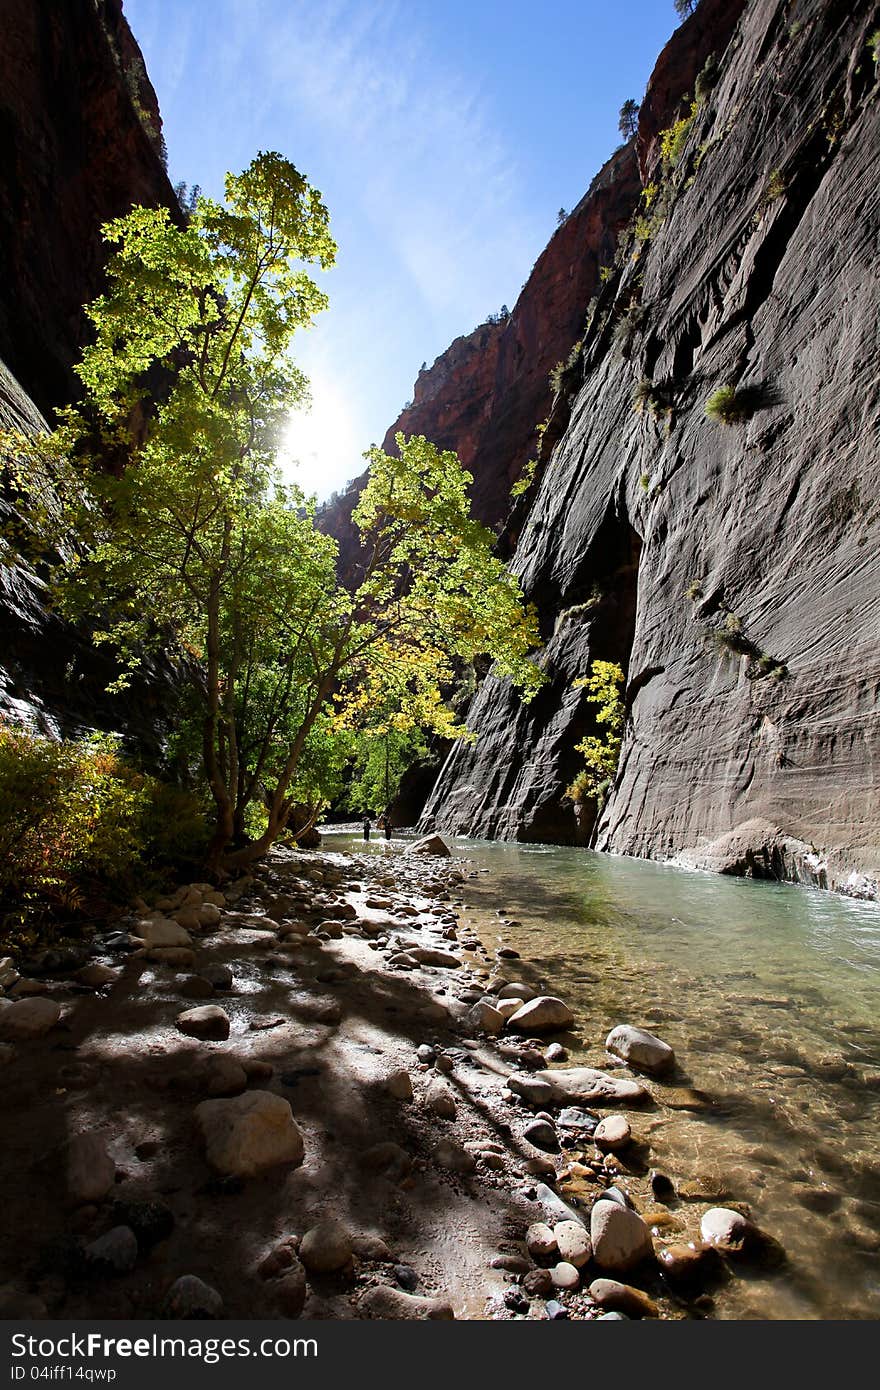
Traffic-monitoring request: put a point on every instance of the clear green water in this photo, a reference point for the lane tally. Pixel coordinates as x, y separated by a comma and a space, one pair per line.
770, 995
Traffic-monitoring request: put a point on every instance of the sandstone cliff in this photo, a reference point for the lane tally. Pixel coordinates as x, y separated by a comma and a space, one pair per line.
80, 142
731, 568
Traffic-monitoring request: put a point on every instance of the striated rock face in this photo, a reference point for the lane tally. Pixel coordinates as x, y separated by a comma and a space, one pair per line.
488, 391
731, 568
80, 142
80, 135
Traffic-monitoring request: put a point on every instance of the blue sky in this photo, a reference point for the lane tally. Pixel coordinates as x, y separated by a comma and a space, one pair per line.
444, 137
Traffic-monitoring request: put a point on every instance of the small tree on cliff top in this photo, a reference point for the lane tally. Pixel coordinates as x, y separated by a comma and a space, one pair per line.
628, 123
187, 540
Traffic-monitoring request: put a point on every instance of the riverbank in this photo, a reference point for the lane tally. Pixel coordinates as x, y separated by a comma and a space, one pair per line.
293, 1098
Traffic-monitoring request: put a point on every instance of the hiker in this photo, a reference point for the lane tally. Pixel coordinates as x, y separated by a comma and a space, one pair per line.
366, 827
386, 825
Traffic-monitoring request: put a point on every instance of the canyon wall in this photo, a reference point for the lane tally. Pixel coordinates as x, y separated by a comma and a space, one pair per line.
80, 143
731, 568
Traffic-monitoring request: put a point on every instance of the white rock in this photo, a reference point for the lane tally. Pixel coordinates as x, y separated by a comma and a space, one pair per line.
249, 1133
431, 844
91, 1172
162, 932
440, 1100
612, 1134
399, 1085
542, 1015
619, 1237
724, 1228
640, 1049
585, 1085
541, 1241
517, 990
573, 1242
565, 1276
29, 1018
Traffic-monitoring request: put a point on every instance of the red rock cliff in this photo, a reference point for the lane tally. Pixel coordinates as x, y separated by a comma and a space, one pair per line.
80, 142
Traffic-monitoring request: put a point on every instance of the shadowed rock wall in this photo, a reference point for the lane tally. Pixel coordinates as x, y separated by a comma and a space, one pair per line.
754, 665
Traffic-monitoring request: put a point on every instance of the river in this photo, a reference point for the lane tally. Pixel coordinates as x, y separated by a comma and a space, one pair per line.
769, 994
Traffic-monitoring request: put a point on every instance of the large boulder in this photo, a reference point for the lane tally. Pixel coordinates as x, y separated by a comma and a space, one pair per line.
249, 1133
640, 1049
431, 844
29, 1017
619, 1237
162, 931
542, 1015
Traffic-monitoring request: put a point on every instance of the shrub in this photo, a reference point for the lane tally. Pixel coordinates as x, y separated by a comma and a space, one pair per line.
775, 187
694, 590
525, 479
75, 819
874, 45
645, 481
724, 406
601, 755
674, 138
706, 79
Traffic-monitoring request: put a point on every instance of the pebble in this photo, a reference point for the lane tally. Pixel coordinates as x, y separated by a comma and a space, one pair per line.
208, 1022
162, 932
440, 1100
725, 1229
565, 1276
538, 1283
612, 1134
151, 1222
542, 1135
190, 1297
555, 1311
196, 987
425, 1054
225, 1076
399, 1084
513, 1264
623, 1298
115, 1252
541, 1242
573, 1242
556, 1053
662, 1187
406, 1277
96, 975
486, 1018
516, 1301
326, 1247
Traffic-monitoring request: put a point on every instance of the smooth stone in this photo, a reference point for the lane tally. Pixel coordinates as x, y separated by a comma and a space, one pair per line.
208, 1022
440, 1100
249, 1133
116, 1251
486, 1018
326, 1248
432, 955
544, 1014
406, 1277
565, 1276
586, 1086
190, 1297
623, 1298
612, 1134
640, 1049
555, 1052
517, 990
574, 1243
541, 1241
371, 1247
662, 1187
725, 1229
686, 1263
28, 1018
555, 1311
91, 1172
383, 1301
531, 1089
619, 1236
388, 1158
512, 1264
96, 975
542, 1135
225, 1076
426, 1054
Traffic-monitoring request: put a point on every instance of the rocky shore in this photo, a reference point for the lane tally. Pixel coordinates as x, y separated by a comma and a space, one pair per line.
316, 1092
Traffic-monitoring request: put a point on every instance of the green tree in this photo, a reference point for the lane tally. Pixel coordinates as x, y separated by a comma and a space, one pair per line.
186, 540
684, 8
628, 123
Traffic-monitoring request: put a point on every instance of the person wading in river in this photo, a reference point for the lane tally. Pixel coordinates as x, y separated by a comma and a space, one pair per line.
366, 827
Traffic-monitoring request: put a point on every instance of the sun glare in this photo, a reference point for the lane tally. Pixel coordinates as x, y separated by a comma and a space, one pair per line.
320, 451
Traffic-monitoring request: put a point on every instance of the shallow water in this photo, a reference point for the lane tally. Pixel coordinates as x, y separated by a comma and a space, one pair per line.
769, 994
